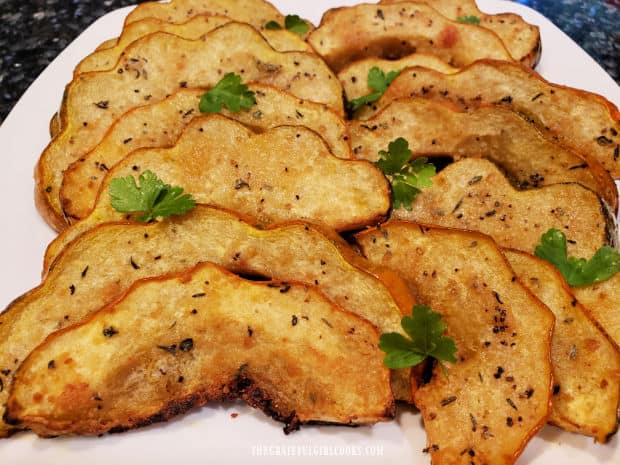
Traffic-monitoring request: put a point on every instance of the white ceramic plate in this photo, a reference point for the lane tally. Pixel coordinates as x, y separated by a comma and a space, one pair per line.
211, 435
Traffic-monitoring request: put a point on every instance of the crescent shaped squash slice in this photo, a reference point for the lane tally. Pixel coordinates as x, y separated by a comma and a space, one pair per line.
177, 342
473, 194
586, 366
497, 395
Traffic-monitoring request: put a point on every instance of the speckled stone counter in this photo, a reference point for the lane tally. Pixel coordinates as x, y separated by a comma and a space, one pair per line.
593, 24
33, 32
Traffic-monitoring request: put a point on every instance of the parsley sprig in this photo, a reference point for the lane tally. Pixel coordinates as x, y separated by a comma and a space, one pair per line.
468, 19
152, 197
230, 93
577, 271
407, 179
378, 81
425, 330
292, 23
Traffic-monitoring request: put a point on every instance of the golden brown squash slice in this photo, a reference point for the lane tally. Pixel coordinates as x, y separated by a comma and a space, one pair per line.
603, 301
437, 129
101, 60
205, 335
496, 397
474, 194
520, 38
586, 366
354, 76
101, 264
161, 124
158, 65
255, 12
348, 34
285, 173
585, 122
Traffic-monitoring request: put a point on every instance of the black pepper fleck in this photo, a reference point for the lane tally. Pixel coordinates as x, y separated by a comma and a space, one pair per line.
447, 401
186, 345
109, 332
171, 349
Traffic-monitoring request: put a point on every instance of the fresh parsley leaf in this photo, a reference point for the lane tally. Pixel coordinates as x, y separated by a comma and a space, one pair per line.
468, 19
425, 330
295, 24
152, 197
273, 26
171, 202
292, 23
397, 156
400, 351
407, 179
377, 81
230, 93
578, 271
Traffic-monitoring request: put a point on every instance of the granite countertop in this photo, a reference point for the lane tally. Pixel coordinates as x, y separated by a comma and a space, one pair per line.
33, 32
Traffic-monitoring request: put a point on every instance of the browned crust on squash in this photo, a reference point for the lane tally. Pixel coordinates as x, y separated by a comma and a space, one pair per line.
242, 387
